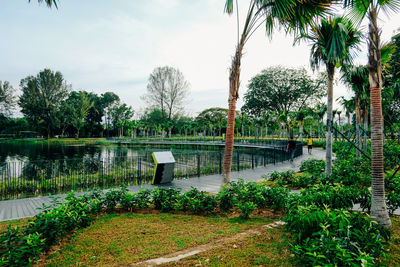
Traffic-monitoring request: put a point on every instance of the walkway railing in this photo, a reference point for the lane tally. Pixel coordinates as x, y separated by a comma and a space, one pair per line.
34, 178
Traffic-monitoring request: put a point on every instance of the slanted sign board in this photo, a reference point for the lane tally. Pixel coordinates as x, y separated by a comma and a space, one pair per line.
164, 169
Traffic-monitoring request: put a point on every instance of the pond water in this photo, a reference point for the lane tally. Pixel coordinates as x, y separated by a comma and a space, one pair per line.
35, 169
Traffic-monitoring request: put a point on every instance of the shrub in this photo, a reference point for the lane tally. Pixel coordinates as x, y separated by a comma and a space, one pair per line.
333, 236
246, 208
165, 199
197, 202
336, 196
17, 249
352, 171
140, 199
313, 166
226, 198
54, 223
391, 155
113, 197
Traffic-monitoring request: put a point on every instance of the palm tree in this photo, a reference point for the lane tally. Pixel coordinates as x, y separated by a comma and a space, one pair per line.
300, 116
356, 78
371, 8
332, 42
348, 106
49, 3
291, 14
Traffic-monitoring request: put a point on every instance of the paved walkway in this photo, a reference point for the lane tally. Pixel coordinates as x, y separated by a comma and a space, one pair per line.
28, 207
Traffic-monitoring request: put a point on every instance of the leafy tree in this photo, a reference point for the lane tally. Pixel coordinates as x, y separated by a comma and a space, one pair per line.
80, 105
7, 99
41, 100
121, 114
332, 41
94, 118
167, 90
282, 89
213, 116
108, 101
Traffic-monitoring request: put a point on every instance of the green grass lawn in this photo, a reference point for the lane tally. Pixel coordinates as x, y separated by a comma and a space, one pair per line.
120, 239
124, 239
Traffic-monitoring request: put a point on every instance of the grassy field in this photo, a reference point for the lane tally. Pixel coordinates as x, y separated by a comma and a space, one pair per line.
119, 239
129, 238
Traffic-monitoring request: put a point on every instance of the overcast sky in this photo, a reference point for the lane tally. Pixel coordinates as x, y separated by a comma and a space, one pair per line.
104, 45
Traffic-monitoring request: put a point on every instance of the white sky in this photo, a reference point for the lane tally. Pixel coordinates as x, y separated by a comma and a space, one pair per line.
104, 45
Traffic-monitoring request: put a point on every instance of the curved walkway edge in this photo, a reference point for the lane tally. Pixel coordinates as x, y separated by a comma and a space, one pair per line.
29, 207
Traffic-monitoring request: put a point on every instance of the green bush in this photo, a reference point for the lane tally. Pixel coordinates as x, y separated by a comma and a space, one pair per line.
336, 196
335, 237
165, 199
140, 199
246, 208
313, 166
113, 197
18, 249
197, 202
391, 155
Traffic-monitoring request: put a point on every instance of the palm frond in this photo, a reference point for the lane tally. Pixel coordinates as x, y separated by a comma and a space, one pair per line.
49, 3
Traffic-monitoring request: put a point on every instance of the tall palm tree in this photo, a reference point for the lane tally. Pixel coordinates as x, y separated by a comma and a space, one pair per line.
291, 14
49, 3
320, 112
356, 77
332, 41
370, 9
348, 106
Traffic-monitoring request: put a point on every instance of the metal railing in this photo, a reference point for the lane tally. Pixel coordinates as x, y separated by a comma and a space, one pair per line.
34, 178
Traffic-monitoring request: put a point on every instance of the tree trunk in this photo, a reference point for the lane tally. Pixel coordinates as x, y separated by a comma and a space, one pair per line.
348, 125
378, 201
329, 122
365, 128
358, 124
234, 80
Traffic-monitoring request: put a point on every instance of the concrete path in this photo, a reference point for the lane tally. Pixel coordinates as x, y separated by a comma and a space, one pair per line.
29, 207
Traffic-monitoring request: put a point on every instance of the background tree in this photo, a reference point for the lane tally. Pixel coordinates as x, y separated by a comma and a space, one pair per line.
7, 99
282, 89
41, 100
167, 90
332, 41
120, 116
80, 105
214, 116
109, 100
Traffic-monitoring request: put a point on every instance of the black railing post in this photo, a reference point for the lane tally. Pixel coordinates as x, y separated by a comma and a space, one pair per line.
139, 168
274, 155
252, 160
198, 164
238, 160
220, 162
265, 157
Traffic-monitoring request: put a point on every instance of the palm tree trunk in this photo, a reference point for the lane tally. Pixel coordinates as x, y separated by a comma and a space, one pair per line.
234, 79
378, 203
365, 128
358, 123
329, 124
